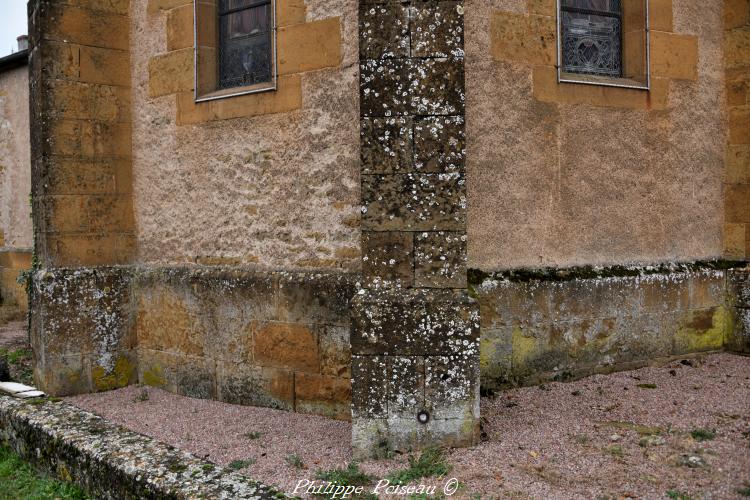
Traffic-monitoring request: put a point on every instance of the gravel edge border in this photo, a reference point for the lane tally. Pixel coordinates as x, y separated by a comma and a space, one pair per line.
111, 462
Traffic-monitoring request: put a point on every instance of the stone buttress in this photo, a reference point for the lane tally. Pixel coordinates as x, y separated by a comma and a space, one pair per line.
415, 330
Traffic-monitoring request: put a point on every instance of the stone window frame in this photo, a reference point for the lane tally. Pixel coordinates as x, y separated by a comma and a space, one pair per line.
270, 86
607, 81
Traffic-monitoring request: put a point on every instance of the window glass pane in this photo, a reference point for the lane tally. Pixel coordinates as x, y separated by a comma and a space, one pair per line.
248, 22
245, 61
591, 44
227, 5
598, 5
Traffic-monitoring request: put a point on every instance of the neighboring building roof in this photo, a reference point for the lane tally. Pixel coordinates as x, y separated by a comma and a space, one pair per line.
15, 60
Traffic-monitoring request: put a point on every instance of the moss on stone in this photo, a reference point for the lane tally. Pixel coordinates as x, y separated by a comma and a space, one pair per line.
122, 373
154, 377
476, 276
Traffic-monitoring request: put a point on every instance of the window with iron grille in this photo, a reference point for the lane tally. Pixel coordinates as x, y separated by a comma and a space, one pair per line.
245, 43
591, 37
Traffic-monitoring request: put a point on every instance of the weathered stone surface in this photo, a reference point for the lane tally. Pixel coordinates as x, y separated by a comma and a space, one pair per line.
286, 345
451, 386
406, 386
243, 384
439, 144
578, 322
369, 387
383, 30
335, 353
386, 145
321, 298
413, 202
322, 395
440, 260
739, 287
414, 322
190, 376
101, 328
436, 29
110, 462
388, 259
412, 86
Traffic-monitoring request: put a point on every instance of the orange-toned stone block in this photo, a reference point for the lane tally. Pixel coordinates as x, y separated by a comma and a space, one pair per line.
87, 213
738, 92
91, 139
290, 12
121, 7
171, 73
167, 322
736, 13
62, 60
286, 345
287, 97
322, 395
738, 163
83, 101
523, 38
739, 125
155, 6
89, 249
735, 241
89, 176
309, 46
180, 31
737, 48
547, 89
105, 66
86, 27
737, 203
674, 56
542, 7
660, 15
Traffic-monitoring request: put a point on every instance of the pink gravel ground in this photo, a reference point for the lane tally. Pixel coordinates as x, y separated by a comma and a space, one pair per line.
560, 440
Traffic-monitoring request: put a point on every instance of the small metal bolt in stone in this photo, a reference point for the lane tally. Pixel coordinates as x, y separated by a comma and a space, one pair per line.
423, 417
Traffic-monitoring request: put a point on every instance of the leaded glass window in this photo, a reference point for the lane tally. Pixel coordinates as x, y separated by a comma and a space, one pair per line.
245, 42
591, 37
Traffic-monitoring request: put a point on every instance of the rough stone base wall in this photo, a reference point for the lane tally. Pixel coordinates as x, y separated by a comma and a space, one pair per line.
257, 338
558, 327
282, 339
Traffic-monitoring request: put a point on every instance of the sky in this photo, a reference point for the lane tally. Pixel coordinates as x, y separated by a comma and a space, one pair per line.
12, 24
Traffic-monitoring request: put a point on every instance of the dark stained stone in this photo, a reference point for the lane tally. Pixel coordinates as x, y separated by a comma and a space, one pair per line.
369, 387
388, 259
386, 145
439, 144
411, 202
437, 29
383, 30
413, 322
440, 260
423, 87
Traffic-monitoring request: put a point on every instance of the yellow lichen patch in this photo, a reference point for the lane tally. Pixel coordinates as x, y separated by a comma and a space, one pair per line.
487, 352
154, 376
63, 472
121, 375
524, 348
704, 330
